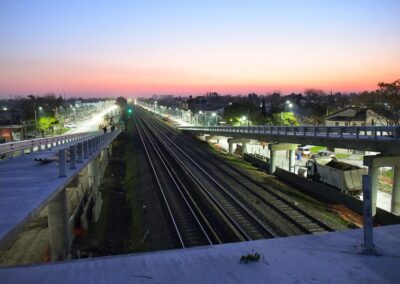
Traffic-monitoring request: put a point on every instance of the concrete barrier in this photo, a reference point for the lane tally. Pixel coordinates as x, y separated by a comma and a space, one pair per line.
332, 194
257, 162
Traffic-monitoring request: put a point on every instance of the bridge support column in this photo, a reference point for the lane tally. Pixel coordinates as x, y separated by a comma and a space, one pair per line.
244, 146
395, 209
110, 149
58, 227
93, 173
230, 148
272, 161
292, 160
373, 172
94, 183
281, 147
374, 163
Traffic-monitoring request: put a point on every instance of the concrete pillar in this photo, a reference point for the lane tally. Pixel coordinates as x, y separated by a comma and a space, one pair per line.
104, 158
272, 161
58, 227
395, 209
93, 173
292, 159
244, 147
230, 148
373, 172
94, 183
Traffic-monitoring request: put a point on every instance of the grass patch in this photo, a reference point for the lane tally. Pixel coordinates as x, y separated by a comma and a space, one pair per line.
388, 173
130, 185
313, 206
315, 149
343, 156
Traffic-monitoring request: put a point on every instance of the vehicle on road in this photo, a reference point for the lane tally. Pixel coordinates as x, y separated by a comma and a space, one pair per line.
304, 150
70, 125
345, 177
323, 154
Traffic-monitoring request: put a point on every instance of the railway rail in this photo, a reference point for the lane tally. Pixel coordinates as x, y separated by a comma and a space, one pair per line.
186, 224
264, 196
245, 224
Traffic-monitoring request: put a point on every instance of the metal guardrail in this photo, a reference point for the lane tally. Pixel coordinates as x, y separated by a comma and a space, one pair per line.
349, 132
78, 147
19, 147
78, 152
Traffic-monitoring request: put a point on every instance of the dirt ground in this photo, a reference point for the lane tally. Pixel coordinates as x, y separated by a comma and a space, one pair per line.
132, 217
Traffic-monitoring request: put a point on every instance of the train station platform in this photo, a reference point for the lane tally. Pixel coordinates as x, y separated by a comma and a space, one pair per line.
324, 258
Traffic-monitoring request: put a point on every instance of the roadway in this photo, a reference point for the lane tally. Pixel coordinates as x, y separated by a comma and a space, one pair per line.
27, 185
92, 124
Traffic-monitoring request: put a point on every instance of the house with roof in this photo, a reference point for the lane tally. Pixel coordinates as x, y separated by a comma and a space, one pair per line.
354, 116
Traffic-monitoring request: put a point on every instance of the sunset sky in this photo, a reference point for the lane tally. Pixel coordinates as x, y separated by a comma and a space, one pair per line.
135, 48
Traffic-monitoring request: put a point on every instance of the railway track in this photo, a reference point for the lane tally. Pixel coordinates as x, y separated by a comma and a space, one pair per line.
301, 220
185, 223
244, 223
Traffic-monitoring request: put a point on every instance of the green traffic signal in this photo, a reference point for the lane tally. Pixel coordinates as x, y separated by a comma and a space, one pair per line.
130, 110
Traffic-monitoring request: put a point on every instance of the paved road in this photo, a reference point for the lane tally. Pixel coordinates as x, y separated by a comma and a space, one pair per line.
92, 124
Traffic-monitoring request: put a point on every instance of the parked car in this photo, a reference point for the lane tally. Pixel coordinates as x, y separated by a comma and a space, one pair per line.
304, 150
323, 154
70, 125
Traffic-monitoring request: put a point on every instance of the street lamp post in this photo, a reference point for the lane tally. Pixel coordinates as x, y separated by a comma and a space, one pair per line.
36, 121
9, 113
243, 119
289, 105
198, 120
74, 110
215, 115
11, 121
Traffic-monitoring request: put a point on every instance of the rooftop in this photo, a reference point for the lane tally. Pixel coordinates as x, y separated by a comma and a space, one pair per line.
325, 258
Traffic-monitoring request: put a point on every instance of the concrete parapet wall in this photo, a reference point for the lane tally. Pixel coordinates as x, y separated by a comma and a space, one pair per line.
332, 194
257, 162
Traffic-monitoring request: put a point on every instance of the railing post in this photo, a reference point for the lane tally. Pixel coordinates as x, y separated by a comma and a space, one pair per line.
357, 132
61, 163
72, 157
341, 132
327, 131
375, 133
90, 149
85, 149
80, 153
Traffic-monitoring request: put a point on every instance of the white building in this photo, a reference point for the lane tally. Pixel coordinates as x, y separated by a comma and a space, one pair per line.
353, 116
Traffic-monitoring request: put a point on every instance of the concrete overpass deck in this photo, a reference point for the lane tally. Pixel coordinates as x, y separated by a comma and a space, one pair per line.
325, 258
26, 186
383, 139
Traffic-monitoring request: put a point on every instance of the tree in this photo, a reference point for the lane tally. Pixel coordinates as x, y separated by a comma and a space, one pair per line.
284, 118
121, 102
389, 101
46, 123
234, 113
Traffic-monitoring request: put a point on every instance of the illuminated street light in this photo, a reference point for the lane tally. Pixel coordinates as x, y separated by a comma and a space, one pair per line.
200, 113
36, 121
216, 118
290, 105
